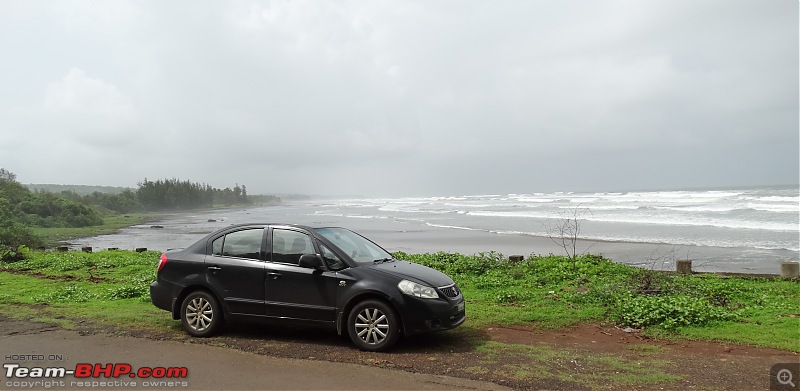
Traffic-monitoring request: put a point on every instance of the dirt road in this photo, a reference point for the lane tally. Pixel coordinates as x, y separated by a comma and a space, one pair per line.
32, 344
582, 357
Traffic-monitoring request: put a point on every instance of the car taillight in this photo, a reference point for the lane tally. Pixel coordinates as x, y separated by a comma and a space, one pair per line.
162, 261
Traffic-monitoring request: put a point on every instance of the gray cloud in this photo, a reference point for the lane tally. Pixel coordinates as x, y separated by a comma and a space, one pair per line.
402, 97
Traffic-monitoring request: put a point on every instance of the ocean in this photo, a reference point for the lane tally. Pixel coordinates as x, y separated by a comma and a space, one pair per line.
761, 218
737, 229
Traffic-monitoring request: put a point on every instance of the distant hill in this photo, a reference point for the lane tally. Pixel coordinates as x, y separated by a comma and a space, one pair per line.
78, 189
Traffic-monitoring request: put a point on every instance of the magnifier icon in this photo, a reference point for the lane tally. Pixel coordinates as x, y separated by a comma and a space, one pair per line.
784, 377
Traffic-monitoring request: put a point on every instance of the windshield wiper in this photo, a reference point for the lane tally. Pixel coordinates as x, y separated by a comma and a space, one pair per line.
383, 260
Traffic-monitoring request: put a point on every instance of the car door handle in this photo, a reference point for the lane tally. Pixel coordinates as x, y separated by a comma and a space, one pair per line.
214, 268
273, 275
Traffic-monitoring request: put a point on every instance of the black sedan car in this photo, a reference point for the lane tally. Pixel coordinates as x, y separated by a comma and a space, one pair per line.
328, 276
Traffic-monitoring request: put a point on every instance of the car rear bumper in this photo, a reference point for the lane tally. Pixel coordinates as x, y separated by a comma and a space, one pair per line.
161, 296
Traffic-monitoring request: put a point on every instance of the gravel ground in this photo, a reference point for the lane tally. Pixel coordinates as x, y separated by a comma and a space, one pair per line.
582, 357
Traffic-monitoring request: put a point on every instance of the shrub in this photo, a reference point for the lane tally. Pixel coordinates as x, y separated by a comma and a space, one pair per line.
13, 235
124, 292
138, 287
456, 263
11, 254
669, 312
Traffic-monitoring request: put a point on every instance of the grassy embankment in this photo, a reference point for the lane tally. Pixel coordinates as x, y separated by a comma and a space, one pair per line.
111, 223
111, 288
545, 292
548, 292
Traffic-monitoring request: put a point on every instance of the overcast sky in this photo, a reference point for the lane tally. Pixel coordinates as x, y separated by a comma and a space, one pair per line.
402, 97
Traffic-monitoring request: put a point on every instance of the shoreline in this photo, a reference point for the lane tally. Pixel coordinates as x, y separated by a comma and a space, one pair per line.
658, 256
59, 236
184, 228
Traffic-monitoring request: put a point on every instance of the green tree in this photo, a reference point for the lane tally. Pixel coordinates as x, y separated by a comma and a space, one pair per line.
174, 194
13, 234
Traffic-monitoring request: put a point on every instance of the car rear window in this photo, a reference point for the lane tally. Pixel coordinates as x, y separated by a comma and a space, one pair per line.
241, 244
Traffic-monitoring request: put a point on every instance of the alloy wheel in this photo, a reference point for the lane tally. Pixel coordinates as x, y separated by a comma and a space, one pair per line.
372, 326
199, 314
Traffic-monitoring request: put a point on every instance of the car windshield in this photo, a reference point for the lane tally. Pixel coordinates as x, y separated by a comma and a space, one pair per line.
359, 248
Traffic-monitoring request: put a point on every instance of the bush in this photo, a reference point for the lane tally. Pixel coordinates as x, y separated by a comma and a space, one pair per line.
49, 210
13, 235
669, 312
139, 287
629, 296
20, 209
457, 263
11, 254
125, 202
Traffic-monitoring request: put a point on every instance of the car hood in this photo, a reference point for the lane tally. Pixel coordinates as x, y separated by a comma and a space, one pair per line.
415, 271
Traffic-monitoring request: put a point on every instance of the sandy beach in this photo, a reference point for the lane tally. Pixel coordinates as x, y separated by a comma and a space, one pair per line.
650, 255
410, 236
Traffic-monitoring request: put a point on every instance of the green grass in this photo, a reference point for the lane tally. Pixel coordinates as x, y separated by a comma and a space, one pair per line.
108, 287
111, 288
768, 330
549, 292
545, 292
51, 236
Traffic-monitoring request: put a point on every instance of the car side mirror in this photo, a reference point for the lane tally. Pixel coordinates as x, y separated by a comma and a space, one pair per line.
311, 261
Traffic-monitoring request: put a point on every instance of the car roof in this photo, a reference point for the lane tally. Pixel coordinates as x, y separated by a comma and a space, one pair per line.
302, 226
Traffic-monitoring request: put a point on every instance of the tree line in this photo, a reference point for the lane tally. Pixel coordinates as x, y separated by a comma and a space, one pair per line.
21, 208
173, 194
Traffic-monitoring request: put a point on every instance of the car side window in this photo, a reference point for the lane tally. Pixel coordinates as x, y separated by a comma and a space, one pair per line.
216, 246
333, 260
288, 246
242, 244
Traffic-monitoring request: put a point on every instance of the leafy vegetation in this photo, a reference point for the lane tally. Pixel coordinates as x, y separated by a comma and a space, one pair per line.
21, 209
80, 277
44, 210
106, 287
125, 201
670, 311
14, 235
31, 218
173, 194
80, 190
111, 288
557, 291
541, 290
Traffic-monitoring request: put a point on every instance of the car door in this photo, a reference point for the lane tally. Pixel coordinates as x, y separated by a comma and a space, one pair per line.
297, 292
235, 270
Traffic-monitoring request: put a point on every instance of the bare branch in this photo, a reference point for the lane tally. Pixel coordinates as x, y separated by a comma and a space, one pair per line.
566, 231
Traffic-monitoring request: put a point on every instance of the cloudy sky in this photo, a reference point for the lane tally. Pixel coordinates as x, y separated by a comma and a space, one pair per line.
402, 97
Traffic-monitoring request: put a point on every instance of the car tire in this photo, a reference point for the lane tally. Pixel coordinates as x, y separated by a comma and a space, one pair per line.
373, 325
201, 314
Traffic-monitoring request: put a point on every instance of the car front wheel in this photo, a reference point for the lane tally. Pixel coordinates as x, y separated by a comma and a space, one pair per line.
201, 314
373, 325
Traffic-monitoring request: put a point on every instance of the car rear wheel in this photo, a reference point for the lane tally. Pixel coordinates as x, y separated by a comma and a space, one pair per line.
201, 314
373, 325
